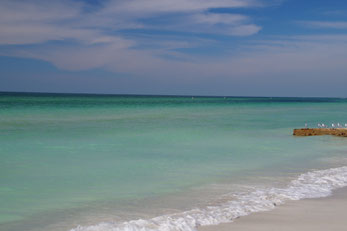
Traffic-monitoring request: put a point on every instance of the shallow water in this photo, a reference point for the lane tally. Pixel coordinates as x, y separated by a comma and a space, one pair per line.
69, 160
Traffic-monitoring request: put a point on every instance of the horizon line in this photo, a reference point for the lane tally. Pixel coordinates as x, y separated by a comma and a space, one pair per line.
160, 95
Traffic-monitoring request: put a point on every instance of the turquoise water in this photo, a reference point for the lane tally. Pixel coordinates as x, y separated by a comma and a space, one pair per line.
73, 157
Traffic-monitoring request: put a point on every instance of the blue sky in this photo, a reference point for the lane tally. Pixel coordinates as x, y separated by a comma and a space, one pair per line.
189, 47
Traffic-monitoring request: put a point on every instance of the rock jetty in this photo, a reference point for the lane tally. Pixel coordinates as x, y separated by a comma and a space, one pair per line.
320, 132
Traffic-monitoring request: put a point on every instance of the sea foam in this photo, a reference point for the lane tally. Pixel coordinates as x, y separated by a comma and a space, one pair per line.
313, 184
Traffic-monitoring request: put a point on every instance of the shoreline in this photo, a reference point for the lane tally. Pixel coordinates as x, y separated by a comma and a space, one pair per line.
318, 214
286, 206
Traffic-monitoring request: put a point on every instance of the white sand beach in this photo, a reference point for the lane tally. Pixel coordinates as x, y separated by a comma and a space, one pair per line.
320, 214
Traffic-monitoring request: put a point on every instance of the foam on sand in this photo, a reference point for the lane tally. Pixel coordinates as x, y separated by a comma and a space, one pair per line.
313, 184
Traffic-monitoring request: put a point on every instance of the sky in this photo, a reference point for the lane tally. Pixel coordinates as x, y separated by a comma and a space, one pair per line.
175, 47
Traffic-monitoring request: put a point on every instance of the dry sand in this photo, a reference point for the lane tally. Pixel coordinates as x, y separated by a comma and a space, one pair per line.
328, 214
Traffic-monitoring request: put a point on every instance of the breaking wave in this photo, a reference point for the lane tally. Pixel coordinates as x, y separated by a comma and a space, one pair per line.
313, 184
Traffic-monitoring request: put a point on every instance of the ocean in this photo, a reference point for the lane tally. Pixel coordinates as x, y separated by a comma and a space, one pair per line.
77, 162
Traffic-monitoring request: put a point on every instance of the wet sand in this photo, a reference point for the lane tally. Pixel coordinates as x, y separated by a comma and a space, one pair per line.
320, 214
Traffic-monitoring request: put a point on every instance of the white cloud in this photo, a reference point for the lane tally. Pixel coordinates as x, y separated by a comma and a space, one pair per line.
245, 30
97, 42
213, 18
140, 8
37, 11
326, 24
211, 23
31, 22
299, 54
37, 21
